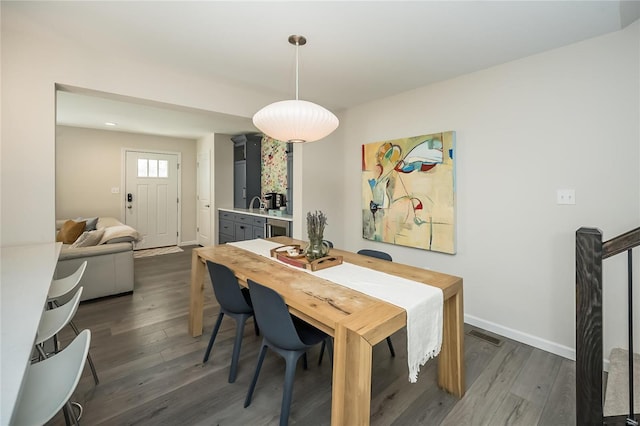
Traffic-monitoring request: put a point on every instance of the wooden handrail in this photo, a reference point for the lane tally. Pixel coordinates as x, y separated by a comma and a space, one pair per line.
621, 243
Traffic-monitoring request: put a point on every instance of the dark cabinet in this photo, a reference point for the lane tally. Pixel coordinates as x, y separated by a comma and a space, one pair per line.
239, 227
246, 169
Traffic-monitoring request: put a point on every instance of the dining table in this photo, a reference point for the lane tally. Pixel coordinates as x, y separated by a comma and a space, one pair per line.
356, 321
26, 274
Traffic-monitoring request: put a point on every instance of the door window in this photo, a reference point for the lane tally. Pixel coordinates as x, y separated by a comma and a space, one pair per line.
148, 167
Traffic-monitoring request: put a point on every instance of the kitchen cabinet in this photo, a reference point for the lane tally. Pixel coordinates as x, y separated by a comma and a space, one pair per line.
239, 227
246, 169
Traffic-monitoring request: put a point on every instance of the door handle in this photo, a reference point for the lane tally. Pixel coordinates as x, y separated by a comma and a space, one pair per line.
129, 206
207, 205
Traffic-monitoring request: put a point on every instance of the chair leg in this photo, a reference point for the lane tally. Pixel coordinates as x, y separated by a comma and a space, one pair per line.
263, 352
255, 326
93, 367
393, 352
41, 353
290, 372
236, 349
304, 361
329, 341
324, 343
68, 414
213, 337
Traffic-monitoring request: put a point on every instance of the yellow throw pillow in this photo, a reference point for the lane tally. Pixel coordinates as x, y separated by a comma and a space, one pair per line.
70, 231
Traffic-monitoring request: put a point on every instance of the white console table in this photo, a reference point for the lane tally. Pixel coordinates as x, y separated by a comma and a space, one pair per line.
26, 273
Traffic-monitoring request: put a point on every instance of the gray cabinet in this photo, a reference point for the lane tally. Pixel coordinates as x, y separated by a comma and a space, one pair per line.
239, 227
247, 169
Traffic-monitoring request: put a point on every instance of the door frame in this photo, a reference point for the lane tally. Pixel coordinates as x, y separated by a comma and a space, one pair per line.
123, 183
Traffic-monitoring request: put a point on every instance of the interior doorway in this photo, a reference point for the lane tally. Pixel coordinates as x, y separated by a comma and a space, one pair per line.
151, 198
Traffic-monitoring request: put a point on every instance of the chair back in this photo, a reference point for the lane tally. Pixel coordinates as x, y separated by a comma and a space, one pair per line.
377, 254
274, 318
50, 383
54, 320
227, 289
329, 243
61, 286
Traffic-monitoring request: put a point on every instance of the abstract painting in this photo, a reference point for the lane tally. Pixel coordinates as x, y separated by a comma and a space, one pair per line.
408, 192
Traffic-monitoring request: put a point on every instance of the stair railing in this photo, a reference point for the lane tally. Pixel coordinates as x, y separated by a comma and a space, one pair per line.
590, 252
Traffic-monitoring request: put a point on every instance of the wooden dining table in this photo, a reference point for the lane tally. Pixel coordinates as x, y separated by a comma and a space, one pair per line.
355, 320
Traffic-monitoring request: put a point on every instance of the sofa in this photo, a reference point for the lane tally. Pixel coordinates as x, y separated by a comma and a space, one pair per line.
107, 246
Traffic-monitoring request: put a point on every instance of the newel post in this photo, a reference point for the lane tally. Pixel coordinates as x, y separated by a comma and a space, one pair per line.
589, 326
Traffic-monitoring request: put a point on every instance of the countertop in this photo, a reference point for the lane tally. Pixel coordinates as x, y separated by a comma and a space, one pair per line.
257, 212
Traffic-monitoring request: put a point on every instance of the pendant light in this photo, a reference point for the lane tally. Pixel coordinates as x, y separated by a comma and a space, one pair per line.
295, 120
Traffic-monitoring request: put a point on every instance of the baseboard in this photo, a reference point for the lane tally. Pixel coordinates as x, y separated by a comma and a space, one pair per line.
188, 243
528, 339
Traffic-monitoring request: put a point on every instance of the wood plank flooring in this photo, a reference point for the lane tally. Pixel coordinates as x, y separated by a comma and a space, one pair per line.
151, 370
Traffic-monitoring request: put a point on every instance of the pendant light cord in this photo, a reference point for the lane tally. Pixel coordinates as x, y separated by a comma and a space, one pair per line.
297, 72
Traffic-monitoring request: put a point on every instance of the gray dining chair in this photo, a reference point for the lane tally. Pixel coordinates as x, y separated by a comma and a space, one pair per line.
236, 303
286, 335
378, 255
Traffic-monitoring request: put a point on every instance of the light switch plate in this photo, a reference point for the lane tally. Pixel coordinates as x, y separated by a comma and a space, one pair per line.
115, 190
566, 196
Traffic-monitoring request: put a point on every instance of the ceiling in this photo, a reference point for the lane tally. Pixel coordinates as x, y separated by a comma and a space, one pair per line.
357, 51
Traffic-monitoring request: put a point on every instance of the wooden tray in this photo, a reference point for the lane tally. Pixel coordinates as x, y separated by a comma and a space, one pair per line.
301, 261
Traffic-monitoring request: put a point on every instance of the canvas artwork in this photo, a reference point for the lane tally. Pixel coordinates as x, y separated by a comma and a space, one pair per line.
408, 192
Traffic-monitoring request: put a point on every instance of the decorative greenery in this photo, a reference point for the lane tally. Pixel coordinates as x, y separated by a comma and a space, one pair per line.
315, 224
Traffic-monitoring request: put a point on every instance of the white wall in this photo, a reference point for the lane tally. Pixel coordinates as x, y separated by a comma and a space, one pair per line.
223, 176
322, 185
567, 118
34, 59
89, 164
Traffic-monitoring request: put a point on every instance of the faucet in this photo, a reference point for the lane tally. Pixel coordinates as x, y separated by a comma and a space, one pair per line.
260, 205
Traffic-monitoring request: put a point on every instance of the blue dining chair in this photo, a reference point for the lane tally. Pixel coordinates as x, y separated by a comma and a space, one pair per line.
286, 335
236, 303
378, 255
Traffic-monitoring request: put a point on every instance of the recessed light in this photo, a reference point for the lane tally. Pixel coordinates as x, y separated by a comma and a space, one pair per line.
109, 123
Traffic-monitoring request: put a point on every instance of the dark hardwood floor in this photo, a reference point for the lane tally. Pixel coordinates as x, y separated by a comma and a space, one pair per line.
151, 370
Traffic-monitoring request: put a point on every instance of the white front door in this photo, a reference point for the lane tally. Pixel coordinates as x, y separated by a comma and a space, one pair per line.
204, 198
151, 197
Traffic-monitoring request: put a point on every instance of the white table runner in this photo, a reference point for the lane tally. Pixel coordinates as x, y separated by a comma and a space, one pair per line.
423, 303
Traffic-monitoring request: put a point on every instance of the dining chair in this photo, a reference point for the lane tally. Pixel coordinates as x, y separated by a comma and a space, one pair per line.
54, 320
49, 384
384, 256
329, 243
58, 290
236, 303
286, 335
375, 253
60, 287
379, 255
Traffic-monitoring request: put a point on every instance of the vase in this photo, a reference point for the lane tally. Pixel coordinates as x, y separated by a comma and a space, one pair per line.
317, 248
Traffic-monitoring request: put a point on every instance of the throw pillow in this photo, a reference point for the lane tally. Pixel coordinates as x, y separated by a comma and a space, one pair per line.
91, 225
88, 238
70, 232
121, 232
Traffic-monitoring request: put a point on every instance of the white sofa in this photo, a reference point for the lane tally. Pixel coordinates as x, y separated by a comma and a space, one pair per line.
109, 264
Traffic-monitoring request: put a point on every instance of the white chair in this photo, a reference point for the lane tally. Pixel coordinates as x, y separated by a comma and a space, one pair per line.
61, 287
54, 320
49, 384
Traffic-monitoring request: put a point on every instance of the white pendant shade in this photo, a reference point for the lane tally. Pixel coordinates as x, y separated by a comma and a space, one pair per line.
295, 121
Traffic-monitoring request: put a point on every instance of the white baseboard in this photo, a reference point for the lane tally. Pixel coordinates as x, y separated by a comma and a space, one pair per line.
545, 345
188, 243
